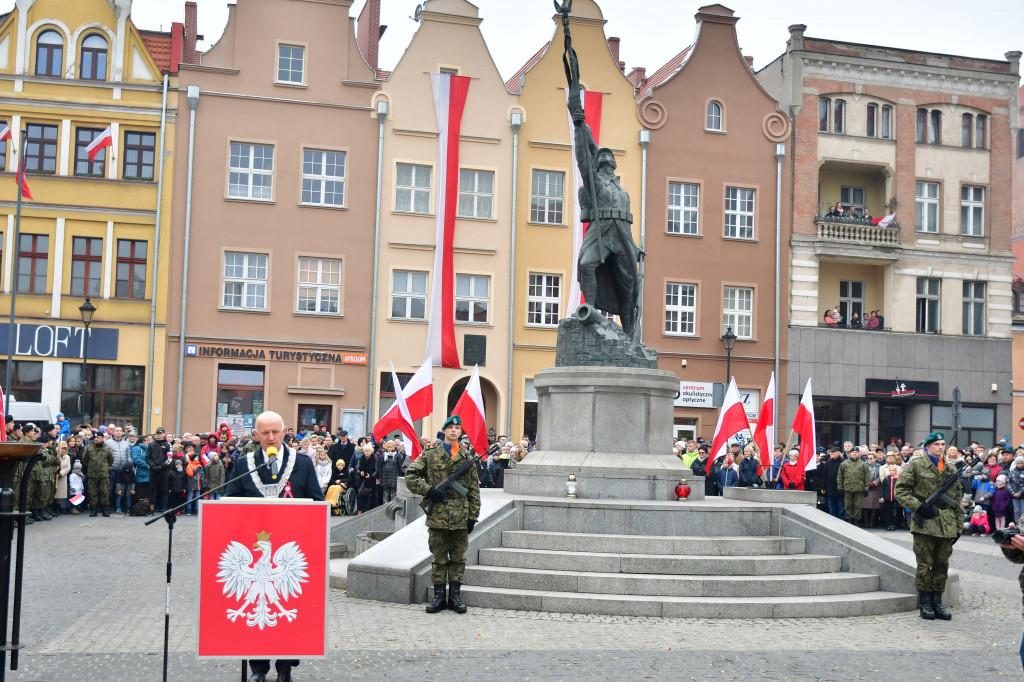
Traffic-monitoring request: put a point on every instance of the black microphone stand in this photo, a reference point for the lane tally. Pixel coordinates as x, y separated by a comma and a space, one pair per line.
170, 516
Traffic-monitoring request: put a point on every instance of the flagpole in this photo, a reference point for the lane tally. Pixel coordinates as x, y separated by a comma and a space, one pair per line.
14, 278
785, 455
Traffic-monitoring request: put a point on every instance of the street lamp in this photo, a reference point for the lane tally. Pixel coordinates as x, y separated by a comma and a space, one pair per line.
88, 310
728, 340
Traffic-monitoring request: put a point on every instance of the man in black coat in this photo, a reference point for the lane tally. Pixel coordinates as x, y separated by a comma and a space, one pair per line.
828, 483
286, 475
157, 454
699, 467
342, 449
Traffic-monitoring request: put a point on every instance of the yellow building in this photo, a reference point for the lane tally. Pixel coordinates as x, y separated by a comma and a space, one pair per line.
544, 240
96, 227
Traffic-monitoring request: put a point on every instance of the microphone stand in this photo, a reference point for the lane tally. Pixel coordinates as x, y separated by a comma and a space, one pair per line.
170, 516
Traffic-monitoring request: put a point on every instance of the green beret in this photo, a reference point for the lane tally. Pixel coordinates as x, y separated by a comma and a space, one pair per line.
934, 436
454, 419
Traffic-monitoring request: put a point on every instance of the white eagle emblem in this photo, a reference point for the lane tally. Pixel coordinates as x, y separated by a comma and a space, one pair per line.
265, 584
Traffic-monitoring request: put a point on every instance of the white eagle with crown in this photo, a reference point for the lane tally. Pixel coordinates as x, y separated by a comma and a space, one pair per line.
265, 584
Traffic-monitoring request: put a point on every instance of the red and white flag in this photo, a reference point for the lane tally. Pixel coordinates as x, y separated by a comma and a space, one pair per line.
77, 499
471, 408
419, 392
3, 417
5, 132
398, 418
592, 104
803, 426
23, 183
449, 102
104, 139
883, 222
764, 434
732, 419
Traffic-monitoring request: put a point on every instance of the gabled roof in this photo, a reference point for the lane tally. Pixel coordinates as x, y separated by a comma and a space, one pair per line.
663, 74
159, 46
514, 85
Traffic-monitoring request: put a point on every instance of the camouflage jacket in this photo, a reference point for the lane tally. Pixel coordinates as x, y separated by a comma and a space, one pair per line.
917, 481
854, 476
432, 467
97, 460
46, 470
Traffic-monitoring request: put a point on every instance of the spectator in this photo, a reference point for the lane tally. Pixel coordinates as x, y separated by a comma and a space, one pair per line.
888, 474
390, 469
323, 468
177, 480
855, 321
366, 468
1002, 503
747, 467
216, 475
791, 475
978, 524
76, 485
699, 468
727, 475
196, 482
158, 456
1015, 483
61, 498
142, 489
828, 484
122, 453
829, 319
873, 500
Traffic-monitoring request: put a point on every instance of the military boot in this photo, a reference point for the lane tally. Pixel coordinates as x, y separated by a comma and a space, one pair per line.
439, 602
940, 612
925, 603
37, 516
46, 513
455, 599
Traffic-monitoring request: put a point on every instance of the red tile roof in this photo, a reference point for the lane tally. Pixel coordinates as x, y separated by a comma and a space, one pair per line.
159, 46
663, 74
515, 84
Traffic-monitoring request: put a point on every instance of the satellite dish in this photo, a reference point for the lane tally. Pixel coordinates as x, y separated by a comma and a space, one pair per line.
416, 14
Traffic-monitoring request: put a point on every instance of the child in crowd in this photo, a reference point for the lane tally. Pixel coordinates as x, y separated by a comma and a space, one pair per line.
196, 481
76, 484
1002, 502
176, 482
978, 525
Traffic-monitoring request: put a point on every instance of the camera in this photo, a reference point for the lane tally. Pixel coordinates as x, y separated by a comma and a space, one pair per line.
1004, 535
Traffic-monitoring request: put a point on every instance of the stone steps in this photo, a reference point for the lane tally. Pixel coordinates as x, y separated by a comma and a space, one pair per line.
648, 544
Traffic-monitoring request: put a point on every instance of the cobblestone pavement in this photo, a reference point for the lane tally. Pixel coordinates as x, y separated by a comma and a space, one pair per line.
94, 596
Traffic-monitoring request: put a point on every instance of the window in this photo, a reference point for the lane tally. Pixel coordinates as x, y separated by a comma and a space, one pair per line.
251, 171
972, 211
966, 130
974, 308
922, 122
544, 300
680, 309
33, 259
981, 123
245, 280
41, 148
408, 295
926, 207
739, 213
139, 155
851, 300
714, 121
886, 122
823, 107
935, 127
26, 380
839, 116
928, 305
290, 60
852, 197
738, 311
323, 178
130, 280
3, 149
94, 58
86, 266
872, 119
240, 388
472, 298
977, 424
683, 206
319, 285
50, 54
83, 166
476, 194
546, 199
412, 188
1020, 144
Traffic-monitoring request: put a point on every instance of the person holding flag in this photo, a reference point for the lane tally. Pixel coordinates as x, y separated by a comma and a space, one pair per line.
732, 419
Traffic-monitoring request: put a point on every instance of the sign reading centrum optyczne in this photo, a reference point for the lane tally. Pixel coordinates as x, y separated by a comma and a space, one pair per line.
197, 351
59, 341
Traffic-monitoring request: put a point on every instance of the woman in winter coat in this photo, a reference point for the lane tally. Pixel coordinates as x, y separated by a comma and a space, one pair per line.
1015, 484
323, 466
141, 468
62, 478
873, 500
791, 476
366, 469
888, 474
747, 468
728, 476
390, 470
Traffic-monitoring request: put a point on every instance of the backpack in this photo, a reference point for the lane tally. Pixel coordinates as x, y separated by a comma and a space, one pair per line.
140, 508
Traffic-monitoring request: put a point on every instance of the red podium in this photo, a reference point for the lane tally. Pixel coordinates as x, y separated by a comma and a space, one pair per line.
263, 573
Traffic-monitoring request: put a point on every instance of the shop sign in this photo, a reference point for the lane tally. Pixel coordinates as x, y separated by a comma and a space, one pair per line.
751, 399
59, 341
199, 351
696, 394
901, 389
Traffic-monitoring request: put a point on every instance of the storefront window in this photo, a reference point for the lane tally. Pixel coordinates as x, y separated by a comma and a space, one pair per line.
239, 396
113, 394
976, 424
839, 421
26, 380
685, 428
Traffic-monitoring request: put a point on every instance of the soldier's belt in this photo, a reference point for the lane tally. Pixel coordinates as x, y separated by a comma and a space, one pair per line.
615, 214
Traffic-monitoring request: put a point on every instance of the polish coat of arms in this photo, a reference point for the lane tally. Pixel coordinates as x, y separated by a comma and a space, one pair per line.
264, 585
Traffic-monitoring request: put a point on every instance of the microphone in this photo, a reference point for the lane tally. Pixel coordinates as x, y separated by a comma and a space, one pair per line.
272, 460
271, 451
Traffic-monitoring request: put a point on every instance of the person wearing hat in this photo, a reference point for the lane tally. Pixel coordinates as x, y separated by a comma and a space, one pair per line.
76, 486
98, 459
342, 449
935, 526
853, 479
453, 515
828, 482
158, 457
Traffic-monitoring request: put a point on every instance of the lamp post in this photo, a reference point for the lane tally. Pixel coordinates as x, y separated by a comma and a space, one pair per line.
88, 310
728, 340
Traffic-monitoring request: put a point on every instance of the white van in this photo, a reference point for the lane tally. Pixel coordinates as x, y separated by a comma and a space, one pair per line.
38, 413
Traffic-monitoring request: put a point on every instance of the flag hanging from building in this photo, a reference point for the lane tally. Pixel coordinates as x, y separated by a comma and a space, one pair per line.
803, 426
764, 434
883, 222
449, 102
104, 139
592, 104
23, 183
5, 132
406, 409
471, 408
732, 419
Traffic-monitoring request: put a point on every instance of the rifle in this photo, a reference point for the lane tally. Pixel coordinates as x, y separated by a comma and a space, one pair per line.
939, 494
450, 485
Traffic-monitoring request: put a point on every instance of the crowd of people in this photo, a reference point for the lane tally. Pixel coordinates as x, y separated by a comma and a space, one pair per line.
857, 482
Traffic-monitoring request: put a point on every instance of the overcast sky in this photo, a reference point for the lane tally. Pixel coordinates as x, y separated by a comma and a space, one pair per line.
652, 31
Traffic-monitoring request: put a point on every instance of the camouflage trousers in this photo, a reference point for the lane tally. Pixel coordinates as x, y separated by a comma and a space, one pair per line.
449, 550
41, 489
98, 488
932, 561
853, 502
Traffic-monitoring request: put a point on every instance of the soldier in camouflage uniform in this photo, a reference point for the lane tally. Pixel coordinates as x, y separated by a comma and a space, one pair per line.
17, 435
936, 527
452, 517
43, 483
97, 459
853, 479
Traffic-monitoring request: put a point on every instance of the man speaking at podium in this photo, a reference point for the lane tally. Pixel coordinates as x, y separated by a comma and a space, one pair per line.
286, 475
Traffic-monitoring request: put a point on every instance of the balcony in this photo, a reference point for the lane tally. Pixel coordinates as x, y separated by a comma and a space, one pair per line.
860, 232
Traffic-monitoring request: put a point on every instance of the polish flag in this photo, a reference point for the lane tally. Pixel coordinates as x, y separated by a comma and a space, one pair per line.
419, 392
764, 434
104, 139
77, 499
732, 419
449, 102
803, 426
3, 415
471, 408
23, 183
592, 104
5, 133
398, 418
883, 222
